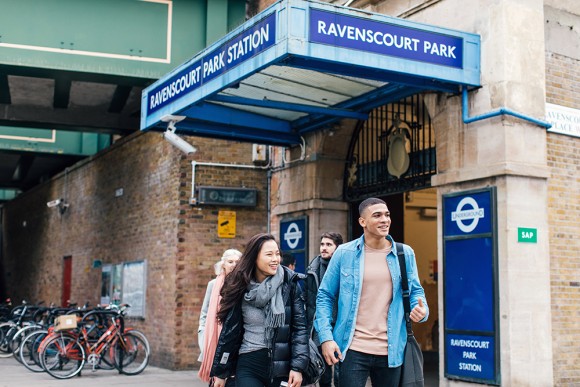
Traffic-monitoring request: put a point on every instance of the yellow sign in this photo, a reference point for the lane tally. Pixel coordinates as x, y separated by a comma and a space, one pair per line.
227, 224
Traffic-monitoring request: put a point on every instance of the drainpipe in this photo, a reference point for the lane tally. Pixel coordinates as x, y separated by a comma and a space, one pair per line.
495, 113
269, 207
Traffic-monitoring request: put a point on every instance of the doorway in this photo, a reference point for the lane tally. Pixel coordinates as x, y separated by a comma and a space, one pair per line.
66, 281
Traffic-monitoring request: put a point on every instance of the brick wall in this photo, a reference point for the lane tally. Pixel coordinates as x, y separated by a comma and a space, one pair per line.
198, 244
563, 88
151, 221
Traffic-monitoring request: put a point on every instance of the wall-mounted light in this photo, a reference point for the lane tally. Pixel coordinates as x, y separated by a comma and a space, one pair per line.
173, 138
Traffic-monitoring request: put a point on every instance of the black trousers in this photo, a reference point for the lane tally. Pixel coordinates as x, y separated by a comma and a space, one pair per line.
253, 370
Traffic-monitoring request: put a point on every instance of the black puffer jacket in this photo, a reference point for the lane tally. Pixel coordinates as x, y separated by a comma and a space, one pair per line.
290, 346
314, 274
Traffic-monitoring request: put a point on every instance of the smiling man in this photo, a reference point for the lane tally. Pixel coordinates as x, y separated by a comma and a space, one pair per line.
364, 279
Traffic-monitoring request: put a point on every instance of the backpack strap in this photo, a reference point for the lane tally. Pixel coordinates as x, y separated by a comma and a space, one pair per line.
405, 286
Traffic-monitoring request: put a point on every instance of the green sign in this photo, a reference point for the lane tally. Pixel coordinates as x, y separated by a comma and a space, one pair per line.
527, 235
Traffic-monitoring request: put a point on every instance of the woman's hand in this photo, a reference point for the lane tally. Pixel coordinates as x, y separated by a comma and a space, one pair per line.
295, 379
218, 382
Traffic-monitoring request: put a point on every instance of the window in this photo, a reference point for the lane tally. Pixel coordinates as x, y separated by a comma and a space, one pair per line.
125, 283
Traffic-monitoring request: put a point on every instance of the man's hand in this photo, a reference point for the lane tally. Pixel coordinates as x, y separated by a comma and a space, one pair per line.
331, 352
294, 379
218, 382
419, 311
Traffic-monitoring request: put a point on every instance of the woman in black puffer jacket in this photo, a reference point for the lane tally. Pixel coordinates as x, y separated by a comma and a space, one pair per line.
264, 339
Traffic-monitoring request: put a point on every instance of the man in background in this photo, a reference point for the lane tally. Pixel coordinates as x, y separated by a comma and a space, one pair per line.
329, 241
289, 261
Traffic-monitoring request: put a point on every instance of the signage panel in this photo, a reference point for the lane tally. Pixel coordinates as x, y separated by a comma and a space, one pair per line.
226, 224
467, 214
293, 237
243, 197
469, 280
471, 356
470, 286
527, 235
385, 38
564, 120
230, 54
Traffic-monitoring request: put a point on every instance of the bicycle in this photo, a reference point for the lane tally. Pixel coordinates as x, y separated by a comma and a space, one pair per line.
27, 354
20, 317
63, 354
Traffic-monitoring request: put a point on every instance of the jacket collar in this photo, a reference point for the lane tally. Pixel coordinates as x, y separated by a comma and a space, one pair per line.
360, 242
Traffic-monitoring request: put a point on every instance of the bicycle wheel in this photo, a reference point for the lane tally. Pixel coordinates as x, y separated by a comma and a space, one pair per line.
19, 336
7, 331
106, 361
131, 353
63, 357
28, 353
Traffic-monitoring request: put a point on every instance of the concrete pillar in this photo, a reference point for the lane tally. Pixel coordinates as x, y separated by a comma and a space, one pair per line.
510, 154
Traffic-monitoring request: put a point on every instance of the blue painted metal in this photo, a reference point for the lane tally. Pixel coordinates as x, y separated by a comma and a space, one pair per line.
210, 112
238, 132
497, 112
319, 37
365, 103
335, 112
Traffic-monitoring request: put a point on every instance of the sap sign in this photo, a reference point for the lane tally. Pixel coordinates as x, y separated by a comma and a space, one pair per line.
467, 214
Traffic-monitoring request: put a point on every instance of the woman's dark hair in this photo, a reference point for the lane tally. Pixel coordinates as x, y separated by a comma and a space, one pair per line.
236, 283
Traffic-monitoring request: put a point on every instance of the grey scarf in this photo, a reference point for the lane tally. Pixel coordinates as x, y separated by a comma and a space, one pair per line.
268, 296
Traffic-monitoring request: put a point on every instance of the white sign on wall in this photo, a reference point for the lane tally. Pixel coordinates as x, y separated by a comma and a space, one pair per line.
564, 120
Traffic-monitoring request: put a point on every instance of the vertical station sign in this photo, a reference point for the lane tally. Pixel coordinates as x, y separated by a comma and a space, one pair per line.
470, 286
293, 240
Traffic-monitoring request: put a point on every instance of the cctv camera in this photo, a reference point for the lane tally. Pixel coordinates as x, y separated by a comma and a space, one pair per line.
172, 120
54, 203
174, 139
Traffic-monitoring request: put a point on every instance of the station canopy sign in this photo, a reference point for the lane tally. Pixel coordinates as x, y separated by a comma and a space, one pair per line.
300, 65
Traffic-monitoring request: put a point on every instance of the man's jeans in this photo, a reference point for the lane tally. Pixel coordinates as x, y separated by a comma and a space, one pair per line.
357, 367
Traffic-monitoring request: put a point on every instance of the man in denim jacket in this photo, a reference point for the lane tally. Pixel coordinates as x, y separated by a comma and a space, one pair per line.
369, 335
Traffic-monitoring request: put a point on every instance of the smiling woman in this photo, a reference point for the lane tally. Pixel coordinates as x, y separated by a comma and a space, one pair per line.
262, 312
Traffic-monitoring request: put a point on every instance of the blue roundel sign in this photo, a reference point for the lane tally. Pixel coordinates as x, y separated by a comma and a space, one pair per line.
293, 234
468, 214
293, 237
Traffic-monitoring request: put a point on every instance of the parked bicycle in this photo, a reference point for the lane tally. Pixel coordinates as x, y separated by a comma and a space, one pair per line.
64, 352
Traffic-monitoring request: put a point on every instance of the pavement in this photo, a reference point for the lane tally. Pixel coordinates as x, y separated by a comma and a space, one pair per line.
13, 374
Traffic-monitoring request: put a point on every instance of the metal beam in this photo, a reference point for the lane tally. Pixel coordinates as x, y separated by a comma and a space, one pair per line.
61, 92
22, 168
269, 104
4, 89
120, 98
366, 102
75, 119
235, 133
225, 115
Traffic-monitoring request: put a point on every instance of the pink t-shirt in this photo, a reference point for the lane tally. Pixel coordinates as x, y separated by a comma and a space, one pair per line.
370, 334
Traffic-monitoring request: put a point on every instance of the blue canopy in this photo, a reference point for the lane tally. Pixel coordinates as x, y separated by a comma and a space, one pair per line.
301, 65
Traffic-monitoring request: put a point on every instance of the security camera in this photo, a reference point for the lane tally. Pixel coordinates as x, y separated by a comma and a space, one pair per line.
173, 138
172, 120
54, 203
179, 142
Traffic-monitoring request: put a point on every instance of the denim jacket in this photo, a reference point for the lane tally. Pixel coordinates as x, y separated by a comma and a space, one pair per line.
343, 279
